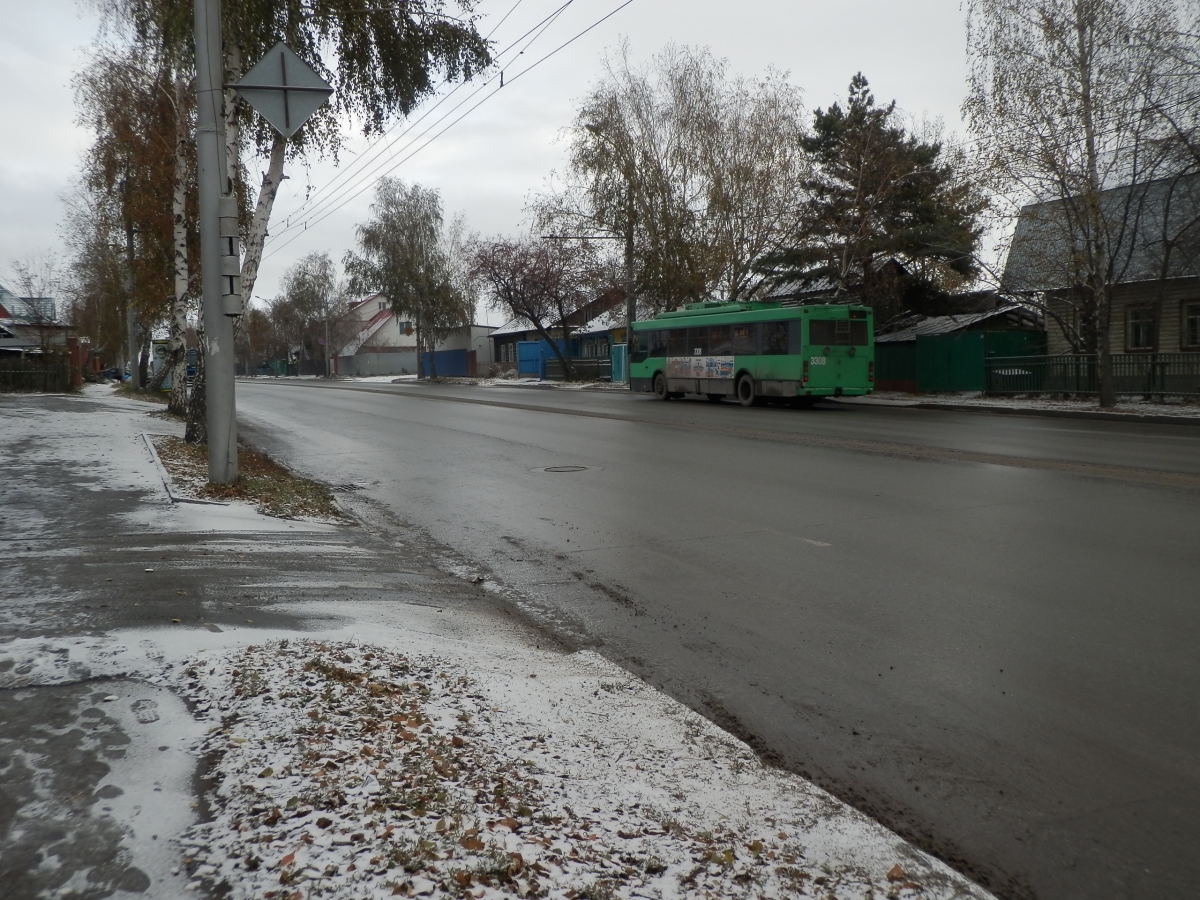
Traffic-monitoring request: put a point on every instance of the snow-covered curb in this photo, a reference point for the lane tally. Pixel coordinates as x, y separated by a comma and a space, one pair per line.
351, 770
1126, 407
474, 382
420, 764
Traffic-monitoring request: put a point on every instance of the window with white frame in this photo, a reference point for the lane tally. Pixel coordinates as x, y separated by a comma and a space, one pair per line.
1139, 329
1190, 322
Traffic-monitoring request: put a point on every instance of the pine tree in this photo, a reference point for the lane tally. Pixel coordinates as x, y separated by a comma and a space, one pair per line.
882, 196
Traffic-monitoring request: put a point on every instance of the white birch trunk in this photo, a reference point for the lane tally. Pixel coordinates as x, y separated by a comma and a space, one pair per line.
272, 178
178, 365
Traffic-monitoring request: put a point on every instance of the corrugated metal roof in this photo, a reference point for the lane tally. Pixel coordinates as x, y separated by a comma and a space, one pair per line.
606, 321
794, 287
513, 326
29, 310
952, 324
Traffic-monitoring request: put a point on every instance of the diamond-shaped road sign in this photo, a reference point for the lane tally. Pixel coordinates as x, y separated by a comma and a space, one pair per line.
284, 89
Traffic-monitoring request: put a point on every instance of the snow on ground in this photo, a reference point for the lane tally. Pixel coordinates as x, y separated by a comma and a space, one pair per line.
353, 769
106, 452
1127, 405
490, 382
421, 754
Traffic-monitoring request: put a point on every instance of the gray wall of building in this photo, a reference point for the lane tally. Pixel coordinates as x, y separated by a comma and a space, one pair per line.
402, 362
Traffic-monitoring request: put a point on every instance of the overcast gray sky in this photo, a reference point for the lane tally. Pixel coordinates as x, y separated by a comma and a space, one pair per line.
913, 52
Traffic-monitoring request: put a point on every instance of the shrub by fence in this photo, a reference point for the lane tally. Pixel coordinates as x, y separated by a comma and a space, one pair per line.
1136, 374
28, 375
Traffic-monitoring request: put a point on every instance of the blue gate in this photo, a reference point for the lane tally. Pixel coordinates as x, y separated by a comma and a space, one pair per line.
529, 358
450, 364
620, 373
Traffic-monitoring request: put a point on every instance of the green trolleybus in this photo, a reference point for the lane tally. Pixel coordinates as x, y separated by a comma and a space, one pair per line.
755, 351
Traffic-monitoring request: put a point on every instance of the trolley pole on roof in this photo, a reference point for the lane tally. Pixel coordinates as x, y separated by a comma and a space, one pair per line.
220, 258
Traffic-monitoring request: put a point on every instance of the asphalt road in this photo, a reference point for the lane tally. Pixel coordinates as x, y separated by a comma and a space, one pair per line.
981, 630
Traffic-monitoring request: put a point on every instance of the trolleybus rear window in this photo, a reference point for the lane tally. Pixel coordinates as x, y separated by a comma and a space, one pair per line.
838, 332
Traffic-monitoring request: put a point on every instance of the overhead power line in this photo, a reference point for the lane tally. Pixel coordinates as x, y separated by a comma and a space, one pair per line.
372, 154
314, 219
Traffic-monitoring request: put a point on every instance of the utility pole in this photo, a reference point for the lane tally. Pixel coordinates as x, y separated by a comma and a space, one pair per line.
220, 261
328, 370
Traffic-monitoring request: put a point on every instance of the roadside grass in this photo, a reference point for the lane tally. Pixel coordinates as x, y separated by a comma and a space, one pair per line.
142, 394
272, 489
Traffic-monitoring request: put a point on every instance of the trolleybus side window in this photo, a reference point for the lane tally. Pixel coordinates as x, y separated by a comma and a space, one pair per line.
775, 338
658, 343
745, 339
719, 340
677, 342
698, 341
641, 346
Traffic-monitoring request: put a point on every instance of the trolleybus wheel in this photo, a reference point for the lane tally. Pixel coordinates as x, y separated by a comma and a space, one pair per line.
660, 387
745, 391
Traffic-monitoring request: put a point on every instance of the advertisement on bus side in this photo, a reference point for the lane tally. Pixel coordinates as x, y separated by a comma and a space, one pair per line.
700, 367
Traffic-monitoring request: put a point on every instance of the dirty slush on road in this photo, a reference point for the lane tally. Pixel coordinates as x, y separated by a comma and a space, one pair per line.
207, 698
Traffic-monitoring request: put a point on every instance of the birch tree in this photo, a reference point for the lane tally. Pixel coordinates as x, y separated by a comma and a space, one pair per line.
1066, 101
136, 106
381, 57
310, 286
183, 178
94, 282
39, 280
693, 167
406, 253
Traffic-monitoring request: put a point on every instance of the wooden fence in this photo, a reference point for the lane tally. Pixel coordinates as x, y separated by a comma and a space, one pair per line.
28, 375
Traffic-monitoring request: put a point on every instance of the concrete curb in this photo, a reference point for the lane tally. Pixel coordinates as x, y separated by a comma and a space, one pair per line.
166, 478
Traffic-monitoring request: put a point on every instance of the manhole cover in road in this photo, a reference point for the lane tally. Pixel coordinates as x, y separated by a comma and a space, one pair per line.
564, 469
349, 487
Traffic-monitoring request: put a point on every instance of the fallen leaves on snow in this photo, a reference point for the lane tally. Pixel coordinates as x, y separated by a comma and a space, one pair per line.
350, 771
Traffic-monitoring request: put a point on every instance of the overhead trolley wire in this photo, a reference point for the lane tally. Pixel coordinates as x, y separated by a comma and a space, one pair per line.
311, 220
315, 202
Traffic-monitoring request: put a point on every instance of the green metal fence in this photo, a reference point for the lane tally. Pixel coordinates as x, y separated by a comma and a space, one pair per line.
27, 375
1139, 374
586, 369
948, 362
